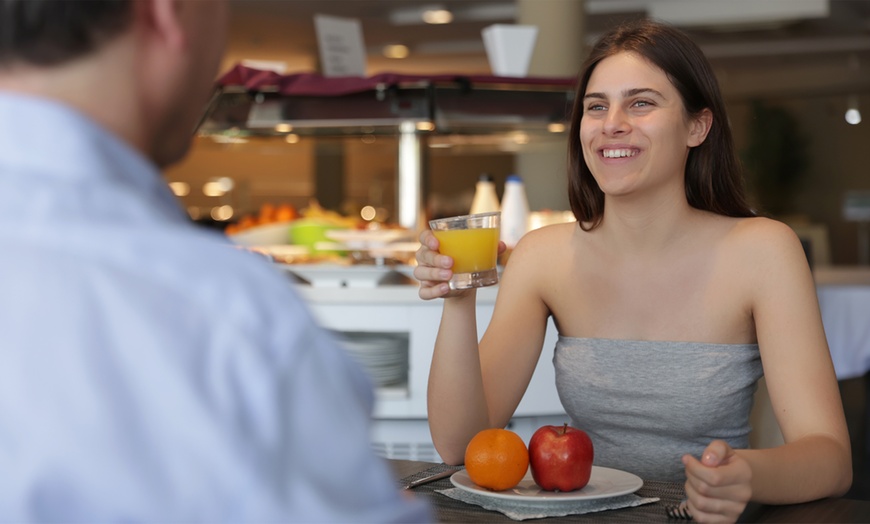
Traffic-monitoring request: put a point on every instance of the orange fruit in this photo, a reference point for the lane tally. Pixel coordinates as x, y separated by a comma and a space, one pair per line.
496, 459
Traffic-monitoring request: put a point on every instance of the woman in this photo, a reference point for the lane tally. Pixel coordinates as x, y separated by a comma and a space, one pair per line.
668, 295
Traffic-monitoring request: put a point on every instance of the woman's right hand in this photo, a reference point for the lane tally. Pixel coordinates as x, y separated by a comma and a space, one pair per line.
433, 269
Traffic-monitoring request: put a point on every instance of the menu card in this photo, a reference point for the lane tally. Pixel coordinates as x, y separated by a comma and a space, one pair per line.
340, 41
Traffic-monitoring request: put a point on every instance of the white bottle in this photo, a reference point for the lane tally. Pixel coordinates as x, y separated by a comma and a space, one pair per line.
485, 198
514, 211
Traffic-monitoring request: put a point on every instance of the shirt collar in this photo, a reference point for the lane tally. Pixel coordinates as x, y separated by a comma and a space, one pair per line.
75, 148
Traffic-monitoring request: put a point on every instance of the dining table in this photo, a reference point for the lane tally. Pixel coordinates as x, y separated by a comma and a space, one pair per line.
447, 509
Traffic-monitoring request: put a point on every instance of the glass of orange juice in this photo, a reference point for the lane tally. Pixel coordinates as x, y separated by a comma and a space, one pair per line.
472, 242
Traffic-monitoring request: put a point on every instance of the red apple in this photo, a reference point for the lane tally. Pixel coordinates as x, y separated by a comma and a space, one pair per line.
560, 458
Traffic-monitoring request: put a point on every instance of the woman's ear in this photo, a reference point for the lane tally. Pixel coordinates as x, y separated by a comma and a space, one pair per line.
699, 127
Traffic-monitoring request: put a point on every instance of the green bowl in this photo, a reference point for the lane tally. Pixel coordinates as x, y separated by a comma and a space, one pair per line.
310, 232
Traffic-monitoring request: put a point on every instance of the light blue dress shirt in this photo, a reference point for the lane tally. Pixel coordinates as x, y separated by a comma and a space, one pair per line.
150, 372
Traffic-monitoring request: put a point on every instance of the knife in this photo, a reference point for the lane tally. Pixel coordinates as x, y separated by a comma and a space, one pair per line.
430, 478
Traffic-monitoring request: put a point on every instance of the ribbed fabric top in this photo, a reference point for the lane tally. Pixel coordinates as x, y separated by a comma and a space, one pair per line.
644, 404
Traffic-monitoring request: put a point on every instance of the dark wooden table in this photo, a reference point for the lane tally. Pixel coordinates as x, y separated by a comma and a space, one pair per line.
450, 510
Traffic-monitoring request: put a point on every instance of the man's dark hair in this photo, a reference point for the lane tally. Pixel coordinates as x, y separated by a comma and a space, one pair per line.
49, 32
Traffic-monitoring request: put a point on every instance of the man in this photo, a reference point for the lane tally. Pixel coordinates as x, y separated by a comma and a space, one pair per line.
148, 370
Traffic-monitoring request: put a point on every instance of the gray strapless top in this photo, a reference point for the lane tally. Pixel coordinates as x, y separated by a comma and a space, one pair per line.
645, 404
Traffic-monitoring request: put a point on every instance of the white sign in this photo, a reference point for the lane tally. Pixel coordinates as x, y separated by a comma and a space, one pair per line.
340, 40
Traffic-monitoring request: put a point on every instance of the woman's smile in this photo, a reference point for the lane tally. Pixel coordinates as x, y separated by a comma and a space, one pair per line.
618, 152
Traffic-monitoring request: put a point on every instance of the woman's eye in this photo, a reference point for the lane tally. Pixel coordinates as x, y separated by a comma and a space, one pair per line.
595, 107
642, 103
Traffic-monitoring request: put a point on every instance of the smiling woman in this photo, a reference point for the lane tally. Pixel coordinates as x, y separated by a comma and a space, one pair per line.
667, 292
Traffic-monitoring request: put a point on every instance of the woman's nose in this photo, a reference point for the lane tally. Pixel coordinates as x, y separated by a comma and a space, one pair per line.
616, 122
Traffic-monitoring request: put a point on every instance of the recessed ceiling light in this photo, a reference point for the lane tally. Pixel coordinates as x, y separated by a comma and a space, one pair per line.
396, 51
437, 16
853, 114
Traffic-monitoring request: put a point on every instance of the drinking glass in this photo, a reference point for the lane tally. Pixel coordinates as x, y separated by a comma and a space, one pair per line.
472, 242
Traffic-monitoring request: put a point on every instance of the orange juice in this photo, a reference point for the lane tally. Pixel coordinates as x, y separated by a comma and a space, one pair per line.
472, 250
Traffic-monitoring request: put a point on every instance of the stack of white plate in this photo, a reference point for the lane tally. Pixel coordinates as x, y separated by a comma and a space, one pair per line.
383, 355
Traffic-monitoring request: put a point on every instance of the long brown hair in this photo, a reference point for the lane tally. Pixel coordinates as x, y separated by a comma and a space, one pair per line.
713, 178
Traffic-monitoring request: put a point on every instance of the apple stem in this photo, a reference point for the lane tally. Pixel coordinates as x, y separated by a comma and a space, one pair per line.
565, 428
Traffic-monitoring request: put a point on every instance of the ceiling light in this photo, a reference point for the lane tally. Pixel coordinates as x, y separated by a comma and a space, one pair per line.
520, 138
687, 13
222, 213
217, 187
853, 115
437, 16
396, 51
212, 189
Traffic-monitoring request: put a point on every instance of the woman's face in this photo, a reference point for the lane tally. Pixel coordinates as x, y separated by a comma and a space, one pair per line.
634, 131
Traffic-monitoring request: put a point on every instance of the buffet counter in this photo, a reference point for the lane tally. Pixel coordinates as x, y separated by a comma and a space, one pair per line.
401, 429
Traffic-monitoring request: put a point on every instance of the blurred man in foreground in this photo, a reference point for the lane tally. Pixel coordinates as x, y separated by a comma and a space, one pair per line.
148, 371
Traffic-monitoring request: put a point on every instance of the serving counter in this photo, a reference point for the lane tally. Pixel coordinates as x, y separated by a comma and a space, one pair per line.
400, 428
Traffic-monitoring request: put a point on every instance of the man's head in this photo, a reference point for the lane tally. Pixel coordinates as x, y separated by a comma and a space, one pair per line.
142, 68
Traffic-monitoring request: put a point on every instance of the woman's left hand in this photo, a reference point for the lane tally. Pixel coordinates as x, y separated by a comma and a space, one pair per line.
717, 486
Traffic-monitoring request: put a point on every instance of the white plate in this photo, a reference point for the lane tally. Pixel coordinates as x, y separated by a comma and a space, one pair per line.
604, 483
394, 248
281, 250
334, 275
368, 238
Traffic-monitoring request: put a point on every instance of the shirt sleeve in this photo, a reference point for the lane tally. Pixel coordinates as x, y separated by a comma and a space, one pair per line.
332, 471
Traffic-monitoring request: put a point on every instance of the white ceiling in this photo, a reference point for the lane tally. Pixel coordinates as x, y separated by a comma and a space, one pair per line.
758, 47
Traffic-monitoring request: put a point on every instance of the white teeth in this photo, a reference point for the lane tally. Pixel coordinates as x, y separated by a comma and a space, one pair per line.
618, 153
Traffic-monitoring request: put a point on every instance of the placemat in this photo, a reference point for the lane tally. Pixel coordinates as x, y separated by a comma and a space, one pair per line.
452, 510
520, 511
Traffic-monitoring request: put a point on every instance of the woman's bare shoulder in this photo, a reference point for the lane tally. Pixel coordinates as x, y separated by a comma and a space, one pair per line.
546, 244
554, 237
762, 233
764, 242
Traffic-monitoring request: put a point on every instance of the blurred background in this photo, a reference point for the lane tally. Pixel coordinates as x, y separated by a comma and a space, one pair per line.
790, 71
